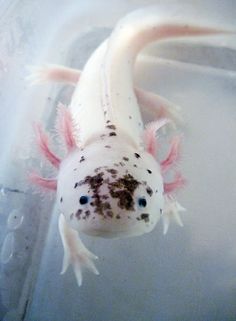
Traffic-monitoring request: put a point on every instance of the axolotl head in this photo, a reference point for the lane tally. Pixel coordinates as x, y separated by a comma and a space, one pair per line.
110, 191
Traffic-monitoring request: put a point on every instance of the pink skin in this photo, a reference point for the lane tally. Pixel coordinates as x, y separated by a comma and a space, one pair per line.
66, 130
150, 135
173, 156
42, 141
66, 126
179, 182
43, 182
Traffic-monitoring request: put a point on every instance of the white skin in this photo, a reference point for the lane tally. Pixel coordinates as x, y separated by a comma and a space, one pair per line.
110, 184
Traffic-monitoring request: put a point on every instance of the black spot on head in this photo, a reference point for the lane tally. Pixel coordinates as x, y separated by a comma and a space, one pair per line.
78, 214
137, 155
149, 171
61, 199
112, 171
149, 191
109, 213
145, 217
87, 213
78, 184
111, 127
112, 134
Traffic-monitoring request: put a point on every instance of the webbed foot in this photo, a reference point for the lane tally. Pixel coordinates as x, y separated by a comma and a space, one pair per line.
75, 253
171, 213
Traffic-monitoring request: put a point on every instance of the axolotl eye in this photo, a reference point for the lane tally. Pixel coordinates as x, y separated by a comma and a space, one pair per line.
84, 199
142, 202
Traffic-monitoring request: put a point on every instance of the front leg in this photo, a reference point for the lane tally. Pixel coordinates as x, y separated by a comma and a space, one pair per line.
75, 252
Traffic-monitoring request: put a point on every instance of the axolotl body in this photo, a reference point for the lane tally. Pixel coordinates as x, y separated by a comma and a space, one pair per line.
110, 183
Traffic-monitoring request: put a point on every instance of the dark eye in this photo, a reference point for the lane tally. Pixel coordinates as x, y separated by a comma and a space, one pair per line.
142, 202
83, 199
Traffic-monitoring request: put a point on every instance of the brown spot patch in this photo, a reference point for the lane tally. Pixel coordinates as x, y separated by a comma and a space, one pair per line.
109, 214
123, 189
125, 159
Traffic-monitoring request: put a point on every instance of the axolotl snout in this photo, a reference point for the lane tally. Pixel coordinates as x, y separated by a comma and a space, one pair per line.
110, 184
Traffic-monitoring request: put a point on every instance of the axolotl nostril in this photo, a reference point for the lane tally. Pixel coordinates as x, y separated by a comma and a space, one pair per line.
110, 183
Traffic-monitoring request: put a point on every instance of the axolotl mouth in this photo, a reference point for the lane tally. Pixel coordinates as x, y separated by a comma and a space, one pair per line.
113, 200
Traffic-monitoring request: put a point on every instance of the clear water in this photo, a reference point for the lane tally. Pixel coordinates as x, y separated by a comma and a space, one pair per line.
189, 274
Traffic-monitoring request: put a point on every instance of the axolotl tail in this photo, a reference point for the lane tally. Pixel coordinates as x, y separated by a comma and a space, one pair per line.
111, 66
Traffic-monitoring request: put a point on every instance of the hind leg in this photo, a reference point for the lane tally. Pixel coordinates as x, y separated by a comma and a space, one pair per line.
158, 106
56, 73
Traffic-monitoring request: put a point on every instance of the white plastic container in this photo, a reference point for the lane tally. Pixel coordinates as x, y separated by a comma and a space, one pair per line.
189, 274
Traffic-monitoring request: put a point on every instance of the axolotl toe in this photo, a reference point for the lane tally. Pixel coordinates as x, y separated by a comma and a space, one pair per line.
110, 183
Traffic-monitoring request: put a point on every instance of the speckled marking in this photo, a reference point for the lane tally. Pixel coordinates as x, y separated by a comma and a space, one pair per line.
123, 189
144, 217
111, 127
112, 134
137, 155
112, 171
149, 171
149, 191
78, 214
82, 159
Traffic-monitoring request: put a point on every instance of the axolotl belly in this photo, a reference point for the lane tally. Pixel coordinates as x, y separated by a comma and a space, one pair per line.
110, 183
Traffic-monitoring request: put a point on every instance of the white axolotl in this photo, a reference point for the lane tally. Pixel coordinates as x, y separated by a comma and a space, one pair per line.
110, 183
